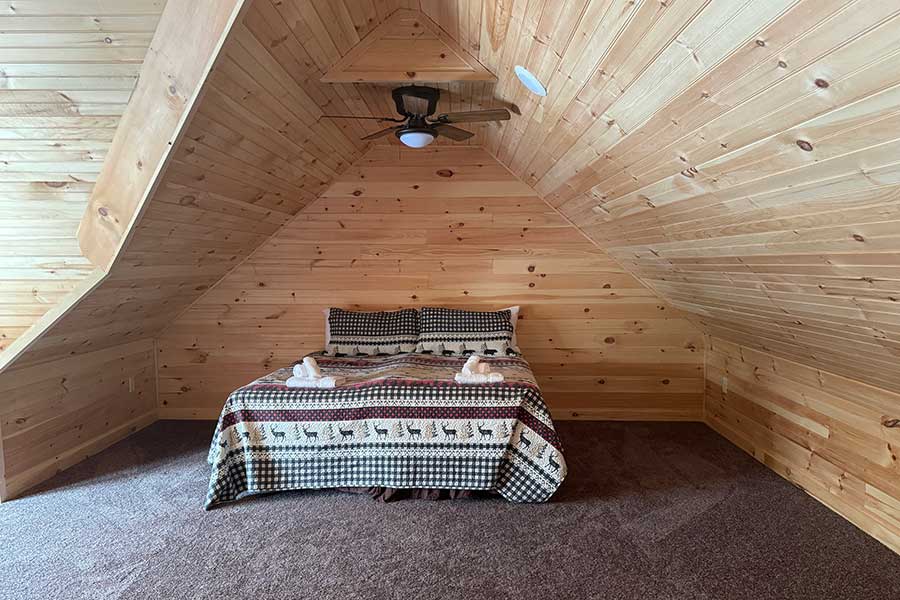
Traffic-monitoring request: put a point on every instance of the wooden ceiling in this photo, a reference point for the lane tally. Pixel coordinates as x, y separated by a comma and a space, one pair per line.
739, 157
67, 70
736, 156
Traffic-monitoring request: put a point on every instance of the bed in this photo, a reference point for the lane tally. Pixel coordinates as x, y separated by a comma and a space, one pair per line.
398, 422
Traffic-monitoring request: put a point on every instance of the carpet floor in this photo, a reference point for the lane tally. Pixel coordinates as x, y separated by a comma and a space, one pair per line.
649, 511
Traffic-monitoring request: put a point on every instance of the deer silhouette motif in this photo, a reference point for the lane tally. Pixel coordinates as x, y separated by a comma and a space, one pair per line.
279, 435
310, 435
526, 443
246, 434
224, 443
413, 433
345, 433
553, 464
381, 433
450, 434
485, 433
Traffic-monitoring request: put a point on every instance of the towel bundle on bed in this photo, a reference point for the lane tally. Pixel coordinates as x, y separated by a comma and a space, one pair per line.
307, 374
475, 371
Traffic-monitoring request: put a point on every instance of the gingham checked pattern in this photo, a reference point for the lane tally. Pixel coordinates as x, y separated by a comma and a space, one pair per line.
413, 429
372, 333
453, 331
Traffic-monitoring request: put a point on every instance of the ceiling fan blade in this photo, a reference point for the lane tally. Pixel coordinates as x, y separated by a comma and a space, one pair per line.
475, 116
382, 133
454, 133
356, 117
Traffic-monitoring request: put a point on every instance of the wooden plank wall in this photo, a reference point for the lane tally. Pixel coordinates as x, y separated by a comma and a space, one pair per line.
739, 157
67, 70
446, 227
826, 433
54, 414
247, 163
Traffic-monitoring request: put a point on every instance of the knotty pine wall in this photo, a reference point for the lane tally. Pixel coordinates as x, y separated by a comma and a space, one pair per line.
68, 71
446, 226
738, 157
56, 413
237, 175
826, 433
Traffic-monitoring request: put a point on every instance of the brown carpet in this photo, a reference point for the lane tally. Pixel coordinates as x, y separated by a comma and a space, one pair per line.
649, 511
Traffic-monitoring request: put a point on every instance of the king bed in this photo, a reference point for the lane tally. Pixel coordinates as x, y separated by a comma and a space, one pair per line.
399, 421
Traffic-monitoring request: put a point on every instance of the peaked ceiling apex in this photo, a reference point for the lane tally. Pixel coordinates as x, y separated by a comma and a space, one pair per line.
408, 46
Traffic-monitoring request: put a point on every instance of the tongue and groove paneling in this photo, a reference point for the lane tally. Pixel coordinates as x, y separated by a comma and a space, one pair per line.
440, 227
254, 154
67, 71
740, 158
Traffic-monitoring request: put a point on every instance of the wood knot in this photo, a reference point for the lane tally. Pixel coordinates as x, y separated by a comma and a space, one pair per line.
891, 423
761, 43
444, 173
609, 340
821, 83
804, 145
531, 268
104, 212
782, 64
410, 74
858, 237
357, 192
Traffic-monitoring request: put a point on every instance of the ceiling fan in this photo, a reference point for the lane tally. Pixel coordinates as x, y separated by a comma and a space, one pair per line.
416, 104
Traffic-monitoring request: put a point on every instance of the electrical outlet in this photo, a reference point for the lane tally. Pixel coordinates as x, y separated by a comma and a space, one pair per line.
131, 384
724, 384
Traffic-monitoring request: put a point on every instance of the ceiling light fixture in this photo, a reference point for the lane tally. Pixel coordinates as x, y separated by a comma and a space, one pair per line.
416, 139
530, 81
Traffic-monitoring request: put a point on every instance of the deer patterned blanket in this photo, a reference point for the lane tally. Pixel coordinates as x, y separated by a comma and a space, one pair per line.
398, 421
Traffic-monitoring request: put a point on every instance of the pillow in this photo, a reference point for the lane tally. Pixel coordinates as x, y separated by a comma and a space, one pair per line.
370, 333
454, 332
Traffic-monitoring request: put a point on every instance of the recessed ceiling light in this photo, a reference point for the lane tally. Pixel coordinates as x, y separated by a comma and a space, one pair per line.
530, 81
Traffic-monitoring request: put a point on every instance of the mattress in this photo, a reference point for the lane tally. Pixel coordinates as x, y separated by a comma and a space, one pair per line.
398, 421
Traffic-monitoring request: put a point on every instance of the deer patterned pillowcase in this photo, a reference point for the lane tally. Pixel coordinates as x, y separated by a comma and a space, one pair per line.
453, 332
349, 333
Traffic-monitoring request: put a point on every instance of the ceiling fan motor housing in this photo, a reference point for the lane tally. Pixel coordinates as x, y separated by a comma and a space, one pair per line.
416, 100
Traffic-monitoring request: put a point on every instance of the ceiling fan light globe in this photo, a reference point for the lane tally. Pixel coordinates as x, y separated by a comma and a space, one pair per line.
416, 139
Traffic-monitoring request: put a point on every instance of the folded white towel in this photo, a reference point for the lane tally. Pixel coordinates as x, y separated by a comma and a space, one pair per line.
308, 368
479, 377
312, 367
314, 382
473, 365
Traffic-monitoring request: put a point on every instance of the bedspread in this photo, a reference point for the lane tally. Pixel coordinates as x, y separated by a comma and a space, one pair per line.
398, 421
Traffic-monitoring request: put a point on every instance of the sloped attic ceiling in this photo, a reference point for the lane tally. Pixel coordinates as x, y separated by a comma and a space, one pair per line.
737, 156
67, 71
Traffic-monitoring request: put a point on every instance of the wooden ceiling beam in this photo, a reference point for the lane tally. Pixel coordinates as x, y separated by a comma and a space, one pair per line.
184, 49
